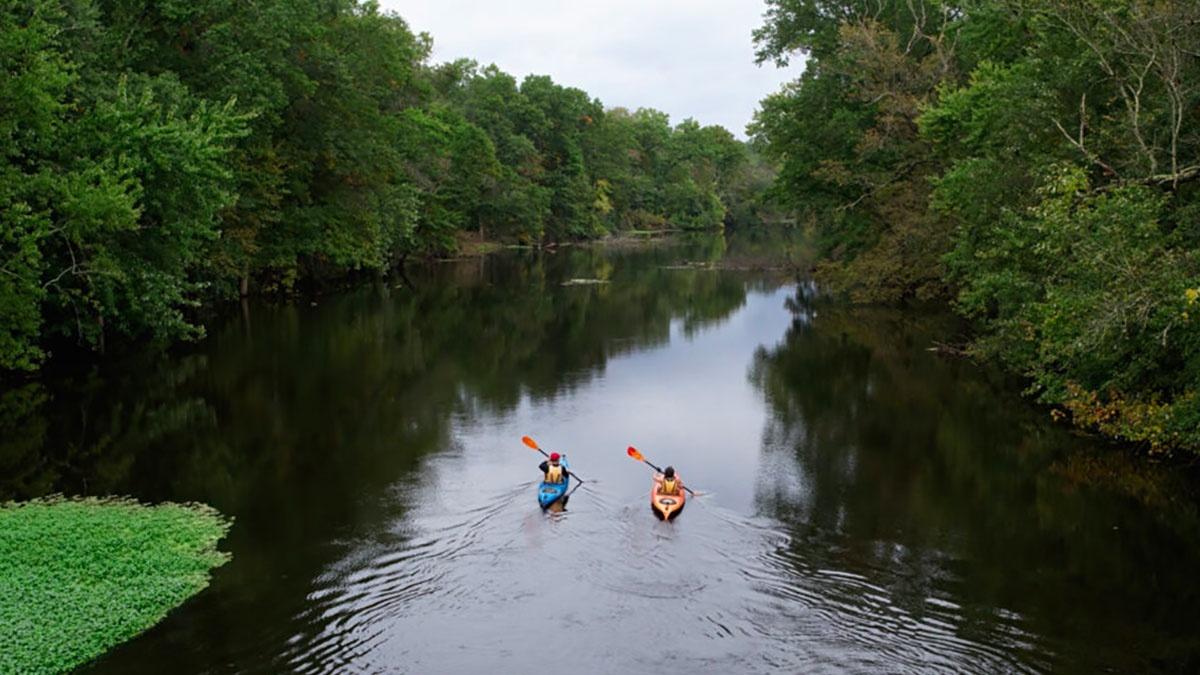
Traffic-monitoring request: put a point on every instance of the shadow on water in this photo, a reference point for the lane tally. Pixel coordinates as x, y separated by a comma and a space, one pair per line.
872, 507
926, 477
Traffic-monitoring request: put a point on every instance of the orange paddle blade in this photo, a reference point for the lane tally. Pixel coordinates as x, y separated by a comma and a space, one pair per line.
633, 452
530, 442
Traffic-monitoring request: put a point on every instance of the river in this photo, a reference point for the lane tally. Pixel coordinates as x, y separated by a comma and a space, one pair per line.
869, 506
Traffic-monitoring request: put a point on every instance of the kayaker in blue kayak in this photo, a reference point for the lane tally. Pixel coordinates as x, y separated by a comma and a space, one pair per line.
553, 469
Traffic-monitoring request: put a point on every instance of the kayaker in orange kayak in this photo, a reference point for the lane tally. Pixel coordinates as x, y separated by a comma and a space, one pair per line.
553, 469
669, 485
667, 496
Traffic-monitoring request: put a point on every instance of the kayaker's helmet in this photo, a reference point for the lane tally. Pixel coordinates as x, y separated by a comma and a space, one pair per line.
669, 472
554, 457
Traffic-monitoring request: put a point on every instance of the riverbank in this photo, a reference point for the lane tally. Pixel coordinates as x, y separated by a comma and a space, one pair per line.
471, 245
80, 576
1074, 254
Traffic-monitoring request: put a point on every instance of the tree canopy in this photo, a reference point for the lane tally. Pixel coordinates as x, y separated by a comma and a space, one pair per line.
158, 156
1034, 160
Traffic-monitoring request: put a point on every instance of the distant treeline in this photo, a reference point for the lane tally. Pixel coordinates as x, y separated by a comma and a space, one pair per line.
1034, 160
157, 155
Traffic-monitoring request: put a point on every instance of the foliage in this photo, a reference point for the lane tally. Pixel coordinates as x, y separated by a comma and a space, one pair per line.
80, 576
1086, 294
34, 76
158, 156
1030, 159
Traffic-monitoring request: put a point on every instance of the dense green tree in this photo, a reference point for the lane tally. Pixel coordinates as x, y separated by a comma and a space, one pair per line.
453, 163
627, 151
34, 77
490, 99
113, 188
158, 155
1030, 159
130, 239
847, 136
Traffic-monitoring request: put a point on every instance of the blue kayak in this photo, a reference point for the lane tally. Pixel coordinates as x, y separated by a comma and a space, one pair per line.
548, 493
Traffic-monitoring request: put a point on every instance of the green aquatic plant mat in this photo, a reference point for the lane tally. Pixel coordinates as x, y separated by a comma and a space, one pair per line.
79, 576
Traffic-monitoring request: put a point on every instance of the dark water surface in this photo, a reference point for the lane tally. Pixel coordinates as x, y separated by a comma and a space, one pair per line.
872, 507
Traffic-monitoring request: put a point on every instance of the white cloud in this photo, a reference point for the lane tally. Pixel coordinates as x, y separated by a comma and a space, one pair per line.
689, 58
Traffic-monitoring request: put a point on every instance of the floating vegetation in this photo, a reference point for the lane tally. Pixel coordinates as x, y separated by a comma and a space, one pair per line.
80, 576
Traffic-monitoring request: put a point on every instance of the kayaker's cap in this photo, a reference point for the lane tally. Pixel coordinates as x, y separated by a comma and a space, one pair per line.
554, 457
669, 472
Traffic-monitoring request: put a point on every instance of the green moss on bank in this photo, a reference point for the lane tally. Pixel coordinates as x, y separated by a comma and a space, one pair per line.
79, 576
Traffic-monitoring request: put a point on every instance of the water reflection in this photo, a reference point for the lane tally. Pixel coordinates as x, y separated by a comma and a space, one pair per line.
478, 335
873, 507
921, 474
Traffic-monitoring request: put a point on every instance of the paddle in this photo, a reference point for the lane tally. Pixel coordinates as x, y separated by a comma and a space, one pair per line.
633, 452
533, 445
572, 491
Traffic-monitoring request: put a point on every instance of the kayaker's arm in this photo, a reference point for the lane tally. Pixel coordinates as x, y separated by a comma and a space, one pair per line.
544, 466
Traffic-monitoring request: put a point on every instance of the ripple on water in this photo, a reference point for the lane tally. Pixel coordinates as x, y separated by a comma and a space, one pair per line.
715, 591
847, 618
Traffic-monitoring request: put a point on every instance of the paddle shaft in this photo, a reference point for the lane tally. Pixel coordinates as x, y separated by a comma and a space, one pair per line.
572, 491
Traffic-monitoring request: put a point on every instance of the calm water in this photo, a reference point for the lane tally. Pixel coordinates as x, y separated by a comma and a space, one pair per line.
871, 507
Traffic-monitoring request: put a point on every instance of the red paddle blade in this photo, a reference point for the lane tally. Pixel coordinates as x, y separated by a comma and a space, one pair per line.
530, 442
633, 452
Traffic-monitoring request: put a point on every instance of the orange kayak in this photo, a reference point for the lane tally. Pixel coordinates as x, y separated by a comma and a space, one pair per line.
666, 506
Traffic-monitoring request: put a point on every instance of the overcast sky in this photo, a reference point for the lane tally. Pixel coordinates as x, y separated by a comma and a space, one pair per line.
689, 58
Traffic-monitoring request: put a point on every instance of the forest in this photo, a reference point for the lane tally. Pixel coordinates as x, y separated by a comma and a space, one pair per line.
1034, 162
160, 157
